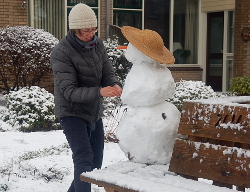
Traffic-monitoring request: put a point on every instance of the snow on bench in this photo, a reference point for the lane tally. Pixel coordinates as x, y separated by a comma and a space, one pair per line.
215, 146
127, 176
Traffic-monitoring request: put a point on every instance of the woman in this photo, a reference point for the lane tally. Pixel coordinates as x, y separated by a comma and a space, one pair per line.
82, 76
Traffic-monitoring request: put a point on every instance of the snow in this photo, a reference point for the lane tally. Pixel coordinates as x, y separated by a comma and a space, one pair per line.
148, 83
144, 178
148, 130
147, 134
33, 174
41, 161
243, 101
15, 144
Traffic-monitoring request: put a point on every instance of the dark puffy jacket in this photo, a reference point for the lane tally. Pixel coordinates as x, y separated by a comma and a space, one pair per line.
79, 73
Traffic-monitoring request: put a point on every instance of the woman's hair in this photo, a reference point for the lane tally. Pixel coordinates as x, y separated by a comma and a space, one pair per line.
75, 31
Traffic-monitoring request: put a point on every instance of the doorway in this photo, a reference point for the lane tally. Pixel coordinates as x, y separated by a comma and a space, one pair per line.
214, 62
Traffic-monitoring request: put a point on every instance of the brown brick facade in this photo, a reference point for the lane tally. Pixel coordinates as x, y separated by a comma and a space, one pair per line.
103, 20
241, 47
12, 14
186, 73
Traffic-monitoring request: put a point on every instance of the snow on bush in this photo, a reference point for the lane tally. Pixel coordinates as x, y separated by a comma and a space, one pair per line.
24, 56
30, 109
121, 67
190, 90
116, 56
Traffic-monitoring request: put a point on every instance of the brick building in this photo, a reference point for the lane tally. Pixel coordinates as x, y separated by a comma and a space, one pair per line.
208, 29
13, 13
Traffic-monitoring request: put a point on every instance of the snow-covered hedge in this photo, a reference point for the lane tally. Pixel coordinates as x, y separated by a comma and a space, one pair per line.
116, 56
24, 56
190, 90
30, 109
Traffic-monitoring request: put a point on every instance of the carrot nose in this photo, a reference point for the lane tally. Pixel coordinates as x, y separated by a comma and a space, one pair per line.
122, 47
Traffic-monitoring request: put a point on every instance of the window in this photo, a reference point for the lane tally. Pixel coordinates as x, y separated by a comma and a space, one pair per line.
185, 31
48, 15
132, 4
127, 18
127, 13
91, 3
155, 15
156, 18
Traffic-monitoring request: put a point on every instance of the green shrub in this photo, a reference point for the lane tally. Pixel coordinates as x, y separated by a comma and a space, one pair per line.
240, 86
30, 109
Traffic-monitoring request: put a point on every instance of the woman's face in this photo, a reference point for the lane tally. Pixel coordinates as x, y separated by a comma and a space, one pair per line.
86, 34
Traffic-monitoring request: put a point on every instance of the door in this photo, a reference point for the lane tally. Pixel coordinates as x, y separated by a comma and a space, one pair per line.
214, 63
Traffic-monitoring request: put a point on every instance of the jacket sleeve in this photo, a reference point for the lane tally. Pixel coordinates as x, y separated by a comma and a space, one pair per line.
66, 79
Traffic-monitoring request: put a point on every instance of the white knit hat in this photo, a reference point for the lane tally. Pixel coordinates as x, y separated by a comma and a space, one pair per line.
82, 16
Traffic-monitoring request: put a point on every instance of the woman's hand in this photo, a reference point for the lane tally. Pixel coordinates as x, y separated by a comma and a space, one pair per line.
109, 91
119, 89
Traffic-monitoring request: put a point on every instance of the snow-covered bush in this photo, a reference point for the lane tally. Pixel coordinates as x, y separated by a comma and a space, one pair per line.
190, 90
24, 56
30, 109
121, 67
120, 63
240, 86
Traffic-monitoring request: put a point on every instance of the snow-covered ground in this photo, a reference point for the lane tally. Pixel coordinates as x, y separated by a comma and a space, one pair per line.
41, 162
44, 172
49, 166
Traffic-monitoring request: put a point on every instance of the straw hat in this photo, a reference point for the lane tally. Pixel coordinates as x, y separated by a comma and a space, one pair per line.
150, 43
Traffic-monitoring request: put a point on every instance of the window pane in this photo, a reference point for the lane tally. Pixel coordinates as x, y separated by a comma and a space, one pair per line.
230, 48
127, 18
216, 35
128, 3
215, 67
185, 31
49, 15
157, 18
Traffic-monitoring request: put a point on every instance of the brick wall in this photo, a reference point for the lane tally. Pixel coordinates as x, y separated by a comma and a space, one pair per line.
186, 73
241, 47
102, 17
12, 14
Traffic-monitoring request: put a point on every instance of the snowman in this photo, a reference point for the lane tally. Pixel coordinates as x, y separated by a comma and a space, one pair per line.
148, 130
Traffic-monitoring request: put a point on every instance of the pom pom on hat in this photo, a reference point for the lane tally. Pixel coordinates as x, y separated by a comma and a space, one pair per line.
82, 16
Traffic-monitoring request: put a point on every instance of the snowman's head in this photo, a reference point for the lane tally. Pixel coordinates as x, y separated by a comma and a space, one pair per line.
134, 56
149, 43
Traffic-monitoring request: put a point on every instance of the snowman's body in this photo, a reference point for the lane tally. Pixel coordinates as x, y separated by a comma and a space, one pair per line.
147, 132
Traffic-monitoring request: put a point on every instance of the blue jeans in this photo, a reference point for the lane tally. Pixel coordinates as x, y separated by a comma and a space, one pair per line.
87, 148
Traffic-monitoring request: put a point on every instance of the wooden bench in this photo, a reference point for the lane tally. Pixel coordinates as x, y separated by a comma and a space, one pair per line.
134, 177
214, 145
217, 142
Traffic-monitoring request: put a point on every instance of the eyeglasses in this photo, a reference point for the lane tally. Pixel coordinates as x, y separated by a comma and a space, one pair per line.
89, 31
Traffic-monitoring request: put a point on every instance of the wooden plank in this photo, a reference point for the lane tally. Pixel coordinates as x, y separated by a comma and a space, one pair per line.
221, 122
229, 165
116, 188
